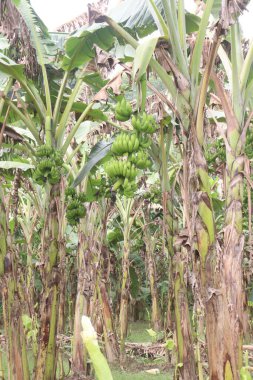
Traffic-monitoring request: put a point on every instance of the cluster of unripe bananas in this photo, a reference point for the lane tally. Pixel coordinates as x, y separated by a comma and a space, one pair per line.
123, 110
75, 208
125, 143
140, 159
131, 147
124, 172
144, 123
115, 168
49, 165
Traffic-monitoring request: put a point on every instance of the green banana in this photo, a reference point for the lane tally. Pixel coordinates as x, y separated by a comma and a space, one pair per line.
125, 143
75, 211
123, 110
49, 165
144, 141
117, 184
144, 123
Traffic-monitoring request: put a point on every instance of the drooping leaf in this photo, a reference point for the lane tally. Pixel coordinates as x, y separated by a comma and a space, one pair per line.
142, 57
138, 18
14, 70
98, 152
80, 47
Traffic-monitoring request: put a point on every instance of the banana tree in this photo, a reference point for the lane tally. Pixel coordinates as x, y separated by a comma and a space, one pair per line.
187, 85
46, 114
91, 288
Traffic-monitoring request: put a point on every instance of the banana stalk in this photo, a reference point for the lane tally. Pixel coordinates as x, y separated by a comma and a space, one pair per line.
82, 305
124, 206
185, 351
110, 336
152, 276
46, 363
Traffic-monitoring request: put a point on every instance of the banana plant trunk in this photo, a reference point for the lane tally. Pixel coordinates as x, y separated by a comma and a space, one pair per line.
156, 312
111, 343
110, 335
169, 225
221, 264
229, 290
124, 297
46, 359
12, 307
63, 279
82, 306
185, 348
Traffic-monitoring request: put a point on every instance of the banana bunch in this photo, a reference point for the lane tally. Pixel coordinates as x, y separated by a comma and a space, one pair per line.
144, 123
49, 164
123, 110
154, 194
75, 211
46, 172
45, 151
145, 141
125, 143
70, 193
129, 188
141, 159
116, 168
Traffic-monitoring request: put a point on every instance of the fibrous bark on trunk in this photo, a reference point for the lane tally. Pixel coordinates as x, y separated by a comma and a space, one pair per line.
12, 305
82, 307
46, 363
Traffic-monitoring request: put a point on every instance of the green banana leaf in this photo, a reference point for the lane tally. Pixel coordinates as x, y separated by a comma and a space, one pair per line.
98, 152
